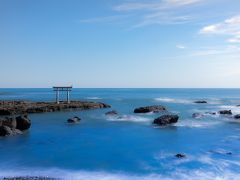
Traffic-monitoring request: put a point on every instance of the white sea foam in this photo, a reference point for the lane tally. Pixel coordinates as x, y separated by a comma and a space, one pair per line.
93, 98
211, 101
130, 118
171, 100
83, 175
196, 123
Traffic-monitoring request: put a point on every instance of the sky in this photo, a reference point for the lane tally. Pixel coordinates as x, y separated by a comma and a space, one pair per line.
120, 43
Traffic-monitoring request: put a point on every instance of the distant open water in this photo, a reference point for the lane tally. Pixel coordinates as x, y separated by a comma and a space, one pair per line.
129, 146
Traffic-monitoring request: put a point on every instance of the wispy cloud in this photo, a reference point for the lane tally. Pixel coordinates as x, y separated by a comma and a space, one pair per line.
152, 6
229, 27
106, 19
159, 12
225, 50
180, 46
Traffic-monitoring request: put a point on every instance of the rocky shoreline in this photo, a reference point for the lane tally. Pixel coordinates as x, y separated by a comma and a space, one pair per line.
14, 119
8, 108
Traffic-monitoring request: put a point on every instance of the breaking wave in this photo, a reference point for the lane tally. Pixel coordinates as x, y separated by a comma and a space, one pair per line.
196, 124
130, 118
93, 98
171, 100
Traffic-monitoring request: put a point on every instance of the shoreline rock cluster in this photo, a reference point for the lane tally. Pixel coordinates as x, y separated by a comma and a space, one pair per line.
8, 108
226, 113
163, 120
14, 119
14, 125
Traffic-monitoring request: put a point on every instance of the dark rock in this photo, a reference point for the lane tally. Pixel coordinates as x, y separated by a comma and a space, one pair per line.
148, 109
5, 131
166, 119
237, 116
180, 155
74, 120
238, 105
23, 123
5, 112
197, 115
225, 112
10, 122
111, 113
200, 102
229, 153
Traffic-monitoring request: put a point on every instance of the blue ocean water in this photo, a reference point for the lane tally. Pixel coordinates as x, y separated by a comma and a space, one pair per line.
128, 146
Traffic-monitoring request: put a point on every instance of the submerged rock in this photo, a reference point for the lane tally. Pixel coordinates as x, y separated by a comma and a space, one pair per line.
74, 120
166, 119
197, 115
111, 113
200, 102
225, 112
147, 109
237, 116
180, 156
211, 113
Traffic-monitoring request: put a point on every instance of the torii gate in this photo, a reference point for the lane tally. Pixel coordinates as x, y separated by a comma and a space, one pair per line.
62, 88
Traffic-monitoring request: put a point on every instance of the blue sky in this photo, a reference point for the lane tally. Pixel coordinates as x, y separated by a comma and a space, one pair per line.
120, 43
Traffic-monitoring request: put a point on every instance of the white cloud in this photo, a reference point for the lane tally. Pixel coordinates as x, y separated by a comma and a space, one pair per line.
228, 50
164, 4
180, 46
160, 11
105, 19
230, 27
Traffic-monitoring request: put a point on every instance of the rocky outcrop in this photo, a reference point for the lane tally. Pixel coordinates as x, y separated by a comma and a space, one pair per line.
180, 156
23, 123
74, 120
25, 107
200, 102
237, 116
147, 109
111, 113
225, 112
14, 126
166, 120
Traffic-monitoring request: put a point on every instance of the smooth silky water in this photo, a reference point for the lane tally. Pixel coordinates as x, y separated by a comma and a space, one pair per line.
129, 146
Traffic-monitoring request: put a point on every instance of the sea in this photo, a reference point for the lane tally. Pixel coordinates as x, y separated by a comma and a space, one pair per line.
127, 146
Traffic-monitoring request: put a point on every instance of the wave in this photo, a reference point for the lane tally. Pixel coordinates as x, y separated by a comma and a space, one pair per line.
82, 175
211, 101
171, 100
196, 124
130, 118
93, 98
